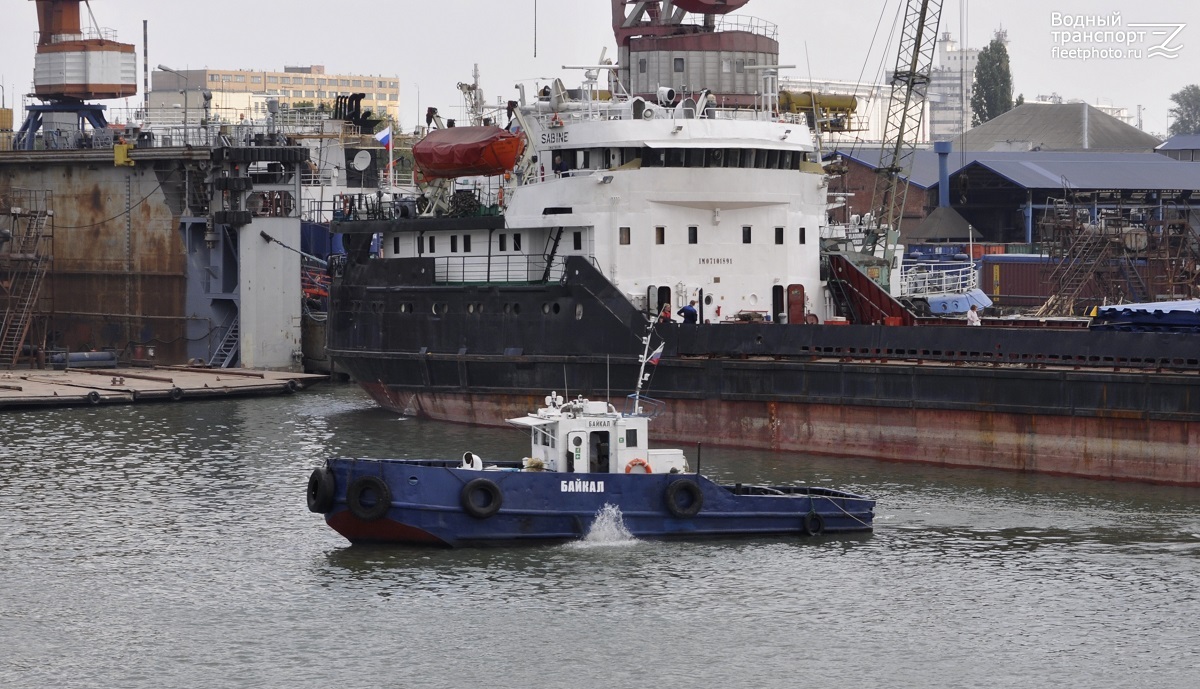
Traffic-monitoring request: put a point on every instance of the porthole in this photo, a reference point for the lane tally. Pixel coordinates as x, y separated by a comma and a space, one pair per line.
708, 300
516, 309
753, 299
556, 308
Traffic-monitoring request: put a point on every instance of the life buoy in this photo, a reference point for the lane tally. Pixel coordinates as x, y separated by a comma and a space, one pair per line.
481, 498
639, 462
320, 490
684, 498
814, 524
359, 488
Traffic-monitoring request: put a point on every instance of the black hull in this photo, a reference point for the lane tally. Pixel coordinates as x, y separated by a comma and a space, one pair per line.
1103, 404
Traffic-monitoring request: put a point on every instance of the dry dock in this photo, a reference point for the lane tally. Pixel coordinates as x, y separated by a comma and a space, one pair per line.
35, 388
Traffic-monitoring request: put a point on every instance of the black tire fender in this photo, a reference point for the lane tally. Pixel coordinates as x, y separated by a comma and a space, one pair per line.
321, 487
688, 507
359, 488
176, 394
492, 498
814, 524
93, 397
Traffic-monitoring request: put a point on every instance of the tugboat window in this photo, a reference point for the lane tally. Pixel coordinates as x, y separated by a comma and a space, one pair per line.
660, 235
745, 234
431, 238
516, 241
578, 241
623, 234
466, 243
693, 234
779, 235
631, 439
801, 235
504, 242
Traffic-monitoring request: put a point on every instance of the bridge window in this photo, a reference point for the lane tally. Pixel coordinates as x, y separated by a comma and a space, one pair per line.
693, 232
503, 242
745, 234
660, 235
516, 241
466, 243
801, 235
454, 244
623, 235
431, 238
631, 439
577, 241
779, 235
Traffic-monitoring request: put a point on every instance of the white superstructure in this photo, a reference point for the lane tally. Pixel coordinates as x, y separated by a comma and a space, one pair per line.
675, 200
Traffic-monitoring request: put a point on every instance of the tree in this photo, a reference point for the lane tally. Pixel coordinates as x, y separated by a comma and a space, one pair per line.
1020, 100
992, 91
1186, 111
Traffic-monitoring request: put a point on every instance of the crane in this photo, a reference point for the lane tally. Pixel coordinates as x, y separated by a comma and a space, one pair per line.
906, 109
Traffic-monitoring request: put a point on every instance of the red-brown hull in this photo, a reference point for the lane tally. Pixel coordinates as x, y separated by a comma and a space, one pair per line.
1147, 450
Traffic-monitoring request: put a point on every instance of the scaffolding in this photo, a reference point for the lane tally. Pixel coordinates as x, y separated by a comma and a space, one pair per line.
26, 243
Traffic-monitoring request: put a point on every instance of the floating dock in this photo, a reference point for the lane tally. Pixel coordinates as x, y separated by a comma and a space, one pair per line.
38, 388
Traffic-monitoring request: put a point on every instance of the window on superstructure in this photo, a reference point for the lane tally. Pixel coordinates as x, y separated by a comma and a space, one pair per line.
642, 66
631, 439
396, 245
739, 66
623, 235
577, 241
779, 235
454, 244
660, 235
679, 65
503, 242
516, 241
801, 235
466, 243
693, 234
726, 66
745, 234
431, 249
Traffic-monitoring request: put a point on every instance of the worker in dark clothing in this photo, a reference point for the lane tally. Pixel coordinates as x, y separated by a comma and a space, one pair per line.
688, 313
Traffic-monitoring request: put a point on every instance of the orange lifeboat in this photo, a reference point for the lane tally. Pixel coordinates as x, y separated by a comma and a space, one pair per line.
465, 151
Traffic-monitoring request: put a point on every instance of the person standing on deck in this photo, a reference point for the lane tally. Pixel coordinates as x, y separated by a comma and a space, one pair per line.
973, 316
688, 313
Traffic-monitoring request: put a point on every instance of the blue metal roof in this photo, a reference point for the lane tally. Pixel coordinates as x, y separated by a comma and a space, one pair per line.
1181, 142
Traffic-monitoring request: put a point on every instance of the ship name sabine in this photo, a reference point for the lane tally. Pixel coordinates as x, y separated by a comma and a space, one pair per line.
554, 137
579, 486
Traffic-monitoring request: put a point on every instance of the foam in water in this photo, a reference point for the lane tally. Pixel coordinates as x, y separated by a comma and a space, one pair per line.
608, 528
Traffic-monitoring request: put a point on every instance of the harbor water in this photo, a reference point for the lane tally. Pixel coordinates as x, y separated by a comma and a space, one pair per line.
168, 545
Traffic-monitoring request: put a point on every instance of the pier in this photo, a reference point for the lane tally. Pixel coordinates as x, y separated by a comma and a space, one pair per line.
38, 388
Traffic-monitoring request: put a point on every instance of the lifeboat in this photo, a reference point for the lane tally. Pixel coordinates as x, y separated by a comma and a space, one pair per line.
465, 151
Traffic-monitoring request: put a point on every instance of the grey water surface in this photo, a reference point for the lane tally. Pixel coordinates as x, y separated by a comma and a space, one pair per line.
168, 545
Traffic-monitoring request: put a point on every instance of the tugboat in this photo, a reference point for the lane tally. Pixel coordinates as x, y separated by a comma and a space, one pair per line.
585, 458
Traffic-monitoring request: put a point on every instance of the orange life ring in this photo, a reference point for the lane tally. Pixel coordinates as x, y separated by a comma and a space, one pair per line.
639, 462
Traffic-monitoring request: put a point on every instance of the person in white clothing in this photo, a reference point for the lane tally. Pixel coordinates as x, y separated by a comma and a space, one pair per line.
973, 316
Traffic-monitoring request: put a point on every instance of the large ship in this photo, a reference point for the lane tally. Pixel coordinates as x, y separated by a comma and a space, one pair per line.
674, 178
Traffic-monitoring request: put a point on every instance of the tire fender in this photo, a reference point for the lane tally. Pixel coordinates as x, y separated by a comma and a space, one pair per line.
359, 488
481, 498
680, 506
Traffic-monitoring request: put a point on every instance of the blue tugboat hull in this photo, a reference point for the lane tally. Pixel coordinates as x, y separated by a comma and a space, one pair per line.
436, 502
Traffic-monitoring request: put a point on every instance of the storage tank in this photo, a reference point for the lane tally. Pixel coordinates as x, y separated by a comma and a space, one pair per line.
77, 63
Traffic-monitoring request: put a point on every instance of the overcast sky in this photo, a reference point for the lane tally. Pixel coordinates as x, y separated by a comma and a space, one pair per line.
431, 46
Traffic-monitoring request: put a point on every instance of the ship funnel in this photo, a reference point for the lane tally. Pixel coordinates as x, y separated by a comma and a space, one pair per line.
558, 95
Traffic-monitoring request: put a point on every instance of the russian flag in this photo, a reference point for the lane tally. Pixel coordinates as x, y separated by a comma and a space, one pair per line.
656, 355
385, 137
